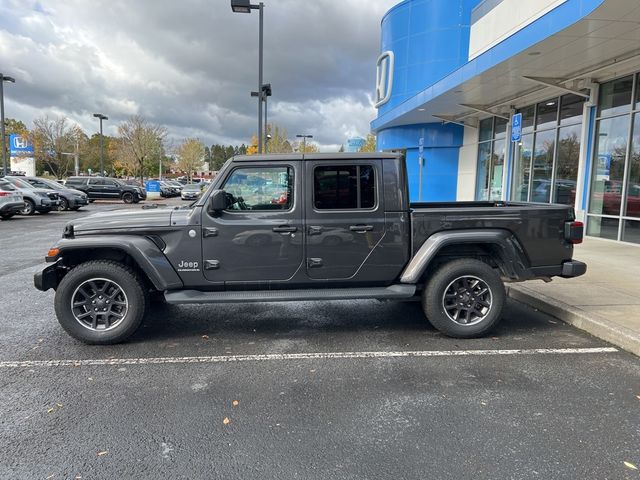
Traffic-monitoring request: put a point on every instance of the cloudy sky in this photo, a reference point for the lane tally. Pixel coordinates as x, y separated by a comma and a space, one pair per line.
190, 65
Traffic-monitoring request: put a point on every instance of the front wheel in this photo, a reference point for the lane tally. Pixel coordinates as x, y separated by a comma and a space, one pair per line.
127, 197
100, 302
464, 298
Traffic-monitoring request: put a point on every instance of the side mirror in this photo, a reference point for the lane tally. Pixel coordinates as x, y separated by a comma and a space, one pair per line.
219, 200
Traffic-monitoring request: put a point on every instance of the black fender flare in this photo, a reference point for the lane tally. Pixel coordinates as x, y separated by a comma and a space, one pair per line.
511, 253
144, 252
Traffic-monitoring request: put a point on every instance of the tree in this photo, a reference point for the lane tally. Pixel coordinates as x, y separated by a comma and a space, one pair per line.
191, 156
253, 148
369, 144
52, 137
278, 143
305, 147
139, 142
90, 153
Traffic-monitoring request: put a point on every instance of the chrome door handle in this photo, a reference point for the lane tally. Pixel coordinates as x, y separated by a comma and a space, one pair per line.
361, 228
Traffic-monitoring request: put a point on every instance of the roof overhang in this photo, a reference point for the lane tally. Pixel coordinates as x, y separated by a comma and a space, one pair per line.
568, 49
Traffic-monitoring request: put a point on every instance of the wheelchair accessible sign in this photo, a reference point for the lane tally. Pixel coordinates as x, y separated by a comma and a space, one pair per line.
516, 128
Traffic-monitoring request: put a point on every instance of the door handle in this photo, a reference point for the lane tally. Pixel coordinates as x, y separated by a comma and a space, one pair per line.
285, 229
361, 228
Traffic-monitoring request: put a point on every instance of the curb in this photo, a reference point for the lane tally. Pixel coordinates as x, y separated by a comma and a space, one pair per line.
594, 324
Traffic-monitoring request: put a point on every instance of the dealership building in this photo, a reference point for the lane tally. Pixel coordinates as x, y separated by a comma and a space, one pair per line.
512, 100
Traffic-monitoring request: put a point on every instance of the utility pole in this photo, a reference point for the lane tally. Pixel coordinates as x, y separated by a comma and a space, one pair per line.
4, 78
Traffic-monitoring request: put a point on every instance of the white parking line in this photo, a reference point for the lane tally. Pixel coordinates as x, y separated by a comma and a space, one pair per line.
298, 356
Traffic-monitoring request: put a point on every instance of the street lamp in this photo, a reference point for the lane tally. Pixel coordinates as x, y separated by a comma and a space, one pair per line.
266, 93
3, 78
304, 141
101, 117
245, 6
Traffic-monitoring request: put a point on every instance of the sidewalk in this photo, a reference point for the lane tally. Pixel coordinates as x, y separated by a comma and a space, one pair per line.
604, 302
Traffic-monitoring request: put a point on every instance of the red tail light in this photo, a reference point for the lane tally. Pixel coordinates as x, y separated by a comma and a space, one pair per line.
5, 194
574, 231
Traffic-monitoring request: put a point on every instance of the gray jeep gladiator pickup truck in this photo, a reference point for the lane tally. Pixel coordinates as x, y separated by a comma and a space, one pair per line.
312, 227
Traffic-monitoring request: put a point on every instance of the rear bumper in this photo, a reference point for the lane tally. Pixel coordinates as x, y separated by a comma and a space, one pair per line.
573, 268
13, 207
568, 269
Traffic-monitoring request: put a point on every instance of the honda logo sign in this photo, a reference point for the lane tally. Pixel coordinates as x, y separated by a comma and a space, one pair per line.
384, 78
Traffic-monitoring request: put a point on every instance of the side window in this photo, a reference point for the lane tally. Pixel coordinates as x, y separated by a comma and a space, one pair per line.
260, 188
110, 183
96, 181
344, 187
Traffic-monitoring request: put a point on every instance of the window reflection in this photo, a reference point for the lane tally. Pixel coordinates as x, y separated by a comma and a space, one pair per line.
542, 166
522, 169
608, 169
567, 165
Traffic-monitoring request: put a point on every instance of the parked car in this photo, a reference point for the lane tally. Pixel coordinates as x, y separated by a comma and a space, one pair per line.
105, 188
11, 202
70, 199
167, 190
35, 199
454, 257
175, 184
191, 191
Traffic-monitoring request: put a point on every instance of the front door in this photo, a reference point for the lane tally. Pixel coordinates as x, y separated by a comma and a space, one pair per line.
259, 238
344, 218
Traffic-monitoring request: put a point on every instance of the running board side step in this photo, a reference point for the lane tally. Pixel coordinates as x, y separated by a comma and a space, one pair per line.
380, 293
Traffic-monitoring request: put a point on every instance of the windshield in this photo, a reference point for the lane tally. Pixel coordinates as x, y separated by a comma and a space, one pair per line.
52, 184
20, 183
192, 186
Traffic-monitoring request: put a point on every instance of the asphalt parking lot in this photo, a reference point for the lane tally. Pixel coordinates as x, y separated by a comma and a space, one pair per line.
351, 389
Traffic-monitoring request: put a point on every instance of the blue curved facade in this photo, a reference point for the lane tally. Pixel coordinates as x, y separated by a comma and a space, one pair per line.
429, 38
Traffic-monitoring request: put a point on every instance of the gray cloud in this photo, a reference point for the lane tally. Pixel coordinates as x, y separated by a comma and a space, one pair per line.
190, 65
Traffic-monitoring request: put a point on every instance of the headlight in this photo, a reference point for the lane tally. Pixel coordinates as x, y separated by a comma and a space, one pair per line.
42, 194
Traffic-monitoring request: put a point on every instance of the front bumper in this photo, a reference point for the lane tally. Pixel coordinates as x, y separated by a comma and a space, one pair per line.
47, 278
78, 202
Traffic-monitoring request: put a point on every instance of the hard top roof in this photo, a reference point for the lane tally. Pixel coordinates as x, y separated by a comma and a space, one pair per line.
317, 156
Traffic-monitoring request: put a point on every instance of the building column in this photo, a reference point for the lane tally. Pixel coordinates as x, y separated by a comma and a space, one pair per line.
587, 145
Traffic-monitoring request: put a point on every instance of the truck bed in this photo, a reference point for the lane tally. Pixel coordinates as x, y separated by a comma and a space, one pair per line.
538, 227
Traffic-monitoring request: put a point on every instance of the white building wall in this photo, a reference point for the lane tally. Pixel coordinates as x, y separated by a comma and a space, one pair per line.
504, 20
467, 165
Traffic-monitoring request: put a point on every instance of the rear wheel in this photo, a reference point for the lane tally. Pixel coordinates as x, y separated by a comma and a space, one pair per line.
29, 207
64, 204
101, 302
127, 197
464, 298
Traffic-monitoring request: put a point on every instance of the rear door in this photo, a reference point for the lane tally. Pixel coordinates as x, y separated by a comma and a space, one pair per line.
95, 188
344, 216
111, 188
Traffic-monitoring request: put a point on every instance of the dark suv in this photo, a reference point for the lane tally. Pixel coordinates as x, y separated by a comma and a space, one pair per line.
107, 189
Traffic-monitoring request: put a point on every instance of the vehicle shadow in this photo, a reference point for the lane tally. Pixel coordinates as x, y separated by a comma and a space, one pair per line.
299, 319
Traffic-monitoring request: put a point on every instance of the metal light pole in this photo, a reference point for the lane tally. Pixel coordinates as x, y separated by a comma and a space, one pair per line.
101, 117
304, 141
245, 6
4, 78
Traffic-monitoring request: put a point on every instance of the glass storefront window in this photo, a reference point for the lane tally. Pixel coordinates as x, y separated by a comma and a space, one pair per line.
631, 231
500, 130
482, 175
528, 114
547, 114
571, 109
615, 97
608, 169
522, 168
567, 165
603, 227
632, 208
497, 169
486, 129
543, 150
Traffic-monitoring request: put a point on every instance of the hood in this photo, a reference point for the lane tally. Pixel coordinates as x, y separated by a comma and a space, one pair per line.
123, 220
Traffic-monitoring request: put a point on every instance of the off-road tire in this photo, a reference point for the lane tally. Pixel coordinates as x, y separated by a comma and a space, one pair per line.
125, 278
442, 282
